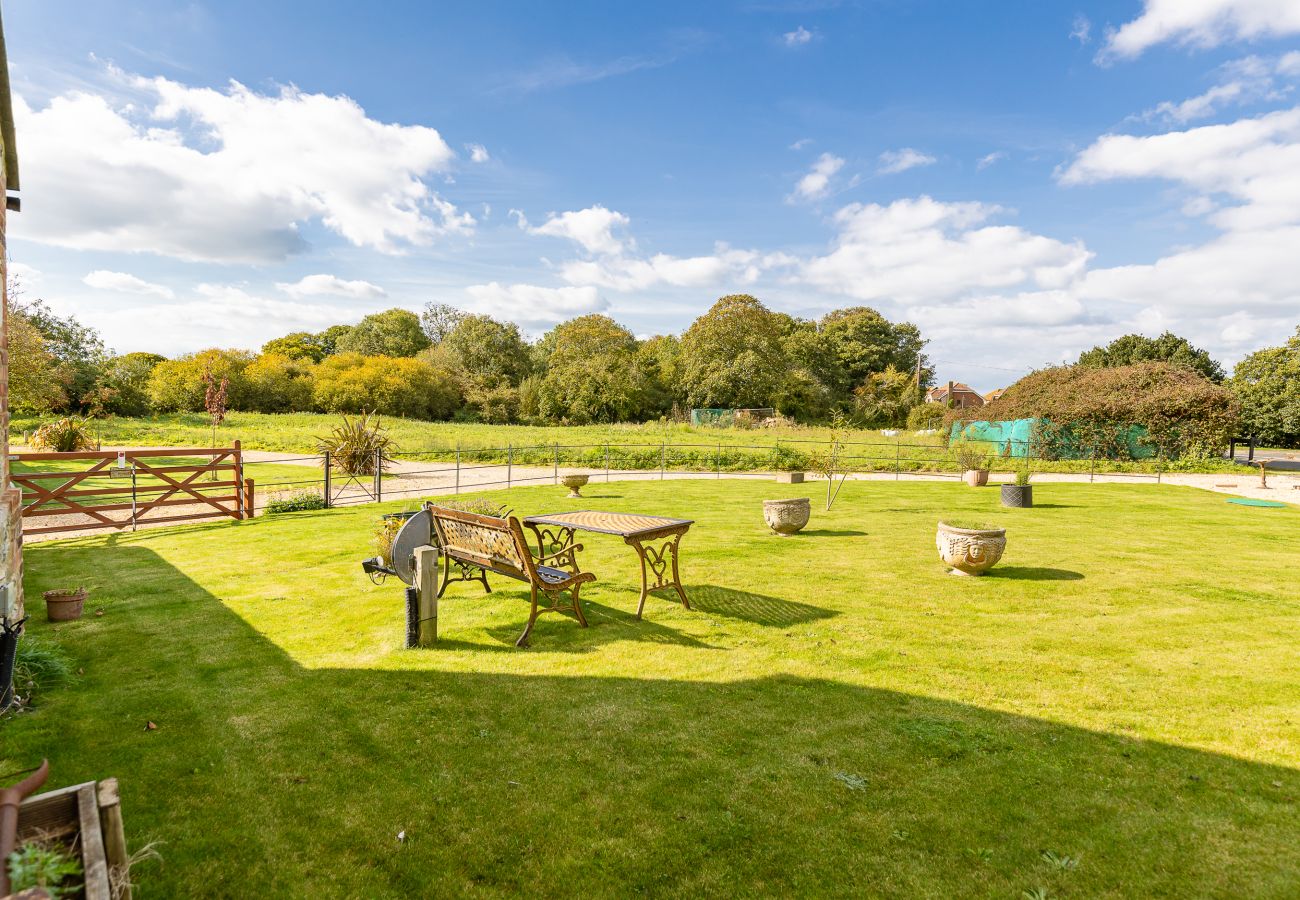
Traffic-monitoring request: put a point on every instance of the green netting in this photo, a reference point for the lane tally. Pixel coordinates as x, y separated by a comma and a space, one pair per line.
1247, 501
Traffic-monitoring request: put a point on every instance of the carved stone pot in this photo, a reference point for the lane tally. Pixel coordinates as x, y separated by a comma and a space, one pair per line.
574, 482
786, 517
970, 551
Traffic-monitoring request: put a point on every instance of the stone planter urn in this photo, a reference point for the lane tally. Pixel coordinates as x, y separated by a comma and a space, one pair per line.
786, 517
976, 477
970, 551
65, 605
574, 483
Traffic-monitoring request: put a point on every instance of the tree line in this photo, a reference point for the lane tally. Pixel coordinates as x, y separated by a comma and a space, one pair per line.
852, 363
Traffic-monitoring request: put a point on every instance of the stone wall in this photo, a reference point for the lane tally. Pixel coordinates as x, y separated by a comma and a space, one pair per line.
11, 535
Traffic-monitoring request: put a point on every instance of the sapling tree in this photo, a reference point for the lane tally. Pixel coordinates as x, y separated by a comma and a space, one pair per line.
214, 401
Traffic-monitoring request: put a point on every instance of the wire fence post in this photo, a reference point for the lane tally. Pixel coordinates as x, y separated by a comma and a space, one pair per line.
557, 462
607, 463
898, 459
379, 475
329, 492
718, 460
510, 463
458, 470
1160, 458
663, 458
1092, 462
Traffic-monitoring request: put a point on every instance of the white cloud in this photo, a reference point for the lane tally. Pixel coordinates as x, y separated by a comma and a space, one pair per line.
801, 143
1081, 29
894, 161
25, 275
725, 266
1201, 24
985, 161
123, 283
798, 38
1253, 161
532, 305
331, 285
816, 184
922, 250
227, 176
477, 153
593, 228
1239, 82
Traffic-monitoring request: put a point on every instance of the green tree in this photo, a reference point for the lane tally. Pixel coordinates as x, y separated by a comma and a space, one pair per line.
176, 385
126, 377
297, 345
487, 350
733, 355
661, 358
864, 342
393, 332
328, 340
593, 373
277, 383
886, 398
1136, 348
77, 349
32, 389
393, 386
440, 320
1267, 382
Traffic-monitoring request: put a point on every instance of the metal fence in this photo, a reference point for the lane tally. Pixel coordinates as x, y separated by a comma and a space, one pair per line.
464, 469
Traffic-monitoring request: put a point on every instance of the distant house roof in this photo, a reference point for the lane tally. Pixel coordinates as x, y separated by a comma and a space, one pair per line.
993, 395
962, 395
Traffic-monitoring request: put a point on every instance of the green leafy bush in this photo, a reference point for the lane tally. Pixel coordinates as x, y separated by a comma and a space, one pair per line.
924, 416
1111, 412
39, 666
392, 386
66, 435
298, 501
970, 456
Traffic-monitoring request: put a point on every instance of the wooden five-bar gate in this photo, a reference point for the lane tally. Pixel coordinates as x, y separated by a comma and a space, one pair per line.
129, 488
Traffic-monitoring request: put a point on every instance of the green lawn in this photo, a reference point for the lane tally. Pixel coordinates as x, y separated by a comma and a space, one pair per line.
837, 716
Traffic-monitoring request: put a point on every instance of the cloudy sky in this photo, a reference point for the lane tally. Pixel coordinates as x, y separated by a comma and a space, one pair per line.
1021, 179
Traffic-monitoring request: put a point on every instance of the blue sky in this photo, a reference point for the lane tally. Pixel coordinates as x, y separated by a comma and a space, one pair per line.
1022, 179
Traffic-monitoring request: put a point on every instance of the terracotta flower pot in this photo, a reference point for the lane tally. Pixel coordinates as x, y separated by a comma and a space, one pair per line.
786, 517
977, 477
970, 551
574, 483
65, 605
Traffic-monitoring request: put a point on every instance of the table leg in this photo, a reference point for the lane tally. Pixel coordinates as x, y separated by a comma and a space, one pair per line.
659, 559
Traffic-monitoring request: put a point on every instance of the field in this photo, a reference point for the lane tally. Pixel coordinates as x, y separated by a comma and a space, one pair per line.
644, 446
1113, 712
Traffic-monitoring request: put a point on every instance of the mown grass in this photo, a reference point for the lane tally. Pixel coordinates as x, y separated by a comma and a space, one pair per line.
836, 716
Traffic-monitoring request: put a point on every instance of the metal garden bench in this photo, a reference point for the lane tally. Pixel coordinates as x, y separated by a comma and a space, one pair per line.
476, 544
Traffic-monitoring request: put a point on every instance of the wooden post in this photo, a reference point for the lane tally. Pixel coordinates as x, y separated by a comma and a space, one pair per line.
379, 474
426, 582
110, 823
329, 500
239, 479
250, 498
510, 463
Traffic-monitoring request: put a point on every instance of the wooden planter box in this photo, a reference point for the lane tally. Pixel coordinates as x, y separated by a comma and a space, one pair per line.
90, 815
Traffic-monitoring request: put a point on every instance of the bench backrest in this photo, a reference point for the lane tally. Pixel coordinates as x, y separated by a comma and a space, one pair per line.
486, 541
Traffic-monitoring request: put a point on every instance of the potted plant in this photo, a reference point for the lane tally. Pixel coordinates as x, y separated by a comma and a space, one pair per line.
64, 604
974, 463
970, 548
1019, 493
786, 517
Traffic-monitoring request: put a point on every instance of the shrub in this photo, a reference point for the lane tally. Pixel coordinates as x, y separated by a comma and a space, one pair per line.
297, 501
278, 383
355, 445
66, 435
925, 416
1109, 412
176, 385
970, 456
414, 388
39, 666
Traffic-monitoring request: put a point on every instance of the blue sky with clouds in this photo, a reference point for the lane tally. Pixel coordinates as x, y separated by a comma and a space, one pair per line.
1022, 179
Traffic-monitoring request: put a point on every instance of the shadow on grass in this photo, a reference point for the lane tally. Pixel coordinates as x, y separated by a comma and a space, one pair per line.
1055, 506
779, 785
832, 532
1033, 573
773, 612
